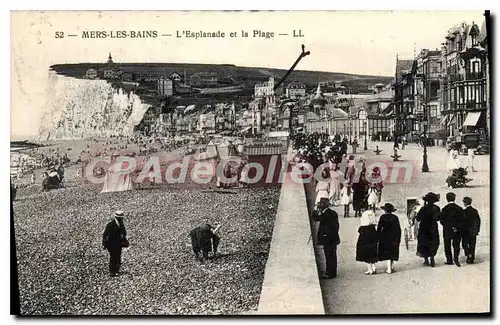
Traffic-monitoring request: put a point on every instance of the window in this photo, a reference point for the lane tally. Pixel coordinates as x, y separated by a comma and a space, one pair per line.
476, 67
434, 110
461, 94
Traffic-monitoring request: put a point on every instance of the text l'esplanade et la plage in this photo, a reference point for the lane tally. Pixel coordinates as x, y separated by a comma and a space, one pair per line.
189, 34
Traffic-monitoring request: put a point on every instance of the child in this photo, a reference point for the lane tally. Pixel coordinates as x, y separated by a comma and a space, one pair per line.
372, 198
345, 198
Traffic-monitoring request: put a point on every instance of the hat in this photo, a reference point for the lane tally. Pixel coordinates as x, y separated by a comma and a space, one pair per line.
388, 208
118, 213
431, 197
467, 200
324, 202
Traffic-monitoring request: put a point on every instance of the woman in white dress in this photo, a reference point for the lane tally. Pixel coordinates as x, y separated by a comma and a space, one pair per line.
323, 187
471, 155
345, 198
372, 198
334, 183
453, 162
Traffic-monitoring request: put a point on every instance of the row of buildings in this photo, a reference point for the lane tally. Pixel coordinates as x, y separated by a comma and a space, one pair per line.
271, 108
446, 91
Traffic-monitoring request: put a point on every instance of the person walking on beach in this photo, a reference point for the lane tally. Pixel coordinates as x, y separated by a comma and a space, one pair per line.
389, 237
114, 240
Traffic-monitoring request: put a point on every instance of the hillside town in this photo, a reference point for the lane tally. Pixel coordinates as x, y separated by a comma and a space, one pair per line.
440, 94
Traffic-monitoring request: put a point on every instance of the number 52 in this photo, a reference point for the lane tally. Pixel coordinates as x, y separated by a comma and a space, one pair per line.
59, 35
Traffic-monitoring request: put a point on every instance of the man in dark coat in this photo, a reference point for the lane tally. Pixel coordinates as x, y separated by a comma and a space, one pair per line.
453, 222
113, 240
428, 233
389, 236
328, 236
204, 240
473, 223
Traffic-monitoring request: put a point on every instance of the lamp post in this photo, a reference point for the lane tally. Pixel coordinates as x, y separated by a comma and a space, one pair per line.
425, 167
366, 135
350, 130
395, 132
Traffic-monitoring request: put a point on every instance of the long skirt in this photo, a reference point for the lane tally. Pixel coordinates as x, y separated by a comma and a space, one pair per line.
427, 241
452, 164
334, 190
366, 247
358, 201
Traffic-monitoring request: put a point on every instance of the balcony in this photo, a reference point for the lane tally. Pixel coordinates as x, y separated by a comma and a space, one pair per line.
470, 106
433, 75
474, 75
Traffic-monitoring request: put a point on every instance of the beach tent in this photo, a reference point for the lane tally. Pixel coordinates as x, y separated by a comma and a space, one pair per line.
210, 153
227, 149
116, 180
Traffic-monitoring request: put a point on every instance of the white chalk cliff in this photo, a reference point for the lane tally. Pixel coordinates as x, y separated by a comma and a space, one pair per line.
79, 108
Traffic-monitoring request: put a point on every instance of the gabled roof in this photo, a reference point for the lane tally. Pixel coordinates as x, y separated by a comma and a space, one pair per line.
473, 30
311, 116
335, 112
402, 65
482, 33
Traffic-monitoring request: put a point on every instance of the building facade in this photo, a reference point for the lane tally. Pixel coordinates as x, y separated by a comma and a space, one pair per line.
204, 79
263, 89
464, 94
164, 87
427, 92
112, 71
175, 77
295, 90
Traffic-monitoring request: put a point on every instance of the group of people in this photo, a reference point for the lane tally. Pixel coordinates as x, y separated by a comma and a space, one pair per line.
454, 160
379, 241
204, 240
380, 238
339, 186
460, 225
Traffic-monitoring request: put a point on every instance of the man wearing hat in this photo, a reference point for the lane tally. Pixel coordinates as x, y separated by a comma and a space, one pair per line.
328, 236
453, 222
389, 236
113, 240
473, 223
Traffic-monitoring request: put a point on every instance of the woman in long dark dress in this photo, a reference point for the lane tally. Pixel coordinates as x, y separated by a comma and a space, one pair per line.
359, 195
389, 237
428, 234
366, 247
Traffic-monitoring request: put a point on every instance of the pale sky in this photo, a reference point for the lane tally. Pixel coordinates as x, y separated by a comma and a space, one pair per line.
361, 42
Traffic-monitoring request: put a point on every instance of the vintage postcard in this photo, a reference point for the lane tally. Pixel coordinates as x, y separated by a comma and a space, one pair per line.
250, 163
